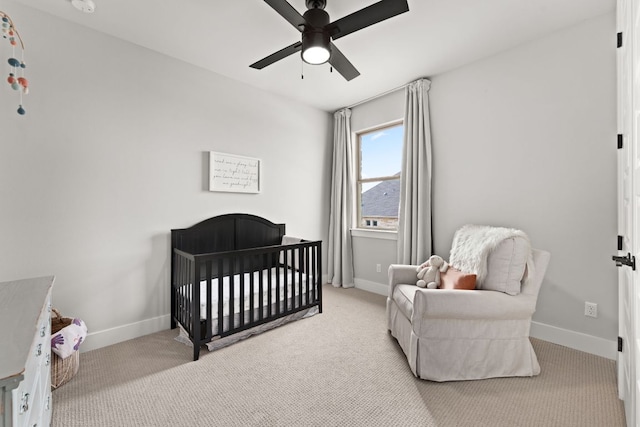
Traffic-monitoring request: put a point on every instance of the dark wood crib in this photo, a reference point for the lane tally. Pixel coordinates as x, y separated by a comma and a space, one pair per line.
231, 273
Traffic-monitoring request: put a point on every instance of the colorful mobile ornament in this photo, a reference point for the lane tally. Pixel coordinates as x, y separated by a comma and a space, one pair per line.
16, 78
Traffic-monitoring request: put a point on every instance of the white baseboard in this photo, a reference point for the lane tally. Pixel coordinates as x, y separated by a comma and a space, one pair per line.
130, 331
575, 340
374, 287
118, 334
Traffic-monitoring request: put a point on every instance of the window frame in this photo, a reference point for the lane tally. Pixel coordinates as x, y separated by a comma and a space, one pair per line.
360, 180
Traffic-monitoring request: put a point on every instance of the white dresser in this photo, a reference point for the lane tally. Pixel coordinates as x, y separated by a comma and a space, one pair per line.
25, 352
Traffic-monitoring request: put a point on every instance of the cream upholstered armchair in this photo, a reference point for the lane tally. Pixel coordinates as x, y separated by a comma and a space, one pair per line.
454, 334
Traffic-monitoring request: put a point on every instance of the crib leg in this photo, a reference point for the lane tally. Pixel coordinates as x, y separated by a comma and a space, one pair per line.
196, 351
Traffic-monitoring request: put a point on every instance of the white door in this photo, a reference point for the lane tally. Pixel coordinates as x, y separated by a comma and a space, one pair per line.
628, 67
634, 46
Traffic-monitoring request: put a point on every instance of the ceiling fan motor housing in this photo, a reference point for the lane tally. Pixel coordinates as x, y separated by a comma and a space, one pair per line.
316, 4
314, 34
316, 18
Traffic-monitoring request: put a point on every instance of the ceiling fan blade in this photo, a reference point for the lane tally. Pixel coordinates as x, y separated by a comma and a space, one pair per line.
370, 15
287, 12
282, 53
342, 64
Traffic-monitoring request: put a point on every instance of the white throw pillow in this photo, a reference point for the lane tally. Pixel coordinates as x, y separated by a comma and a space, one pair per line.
506, 265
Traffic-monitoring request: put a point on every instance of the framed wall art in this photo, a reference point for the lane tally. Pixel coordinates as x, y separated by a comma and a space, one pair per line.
236, 174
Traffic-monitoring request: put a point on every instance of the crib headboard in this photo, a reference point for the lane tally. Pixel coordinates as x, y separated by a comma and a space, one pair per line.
228, 232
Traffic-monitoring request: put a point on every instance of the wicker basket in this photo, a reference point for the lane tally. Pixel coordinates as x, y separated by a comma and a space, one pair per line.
62, 370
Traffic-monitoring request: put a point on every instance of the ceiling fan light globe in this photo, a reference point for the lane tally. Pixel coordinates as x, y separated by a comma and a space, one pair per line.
316, 55
315, 45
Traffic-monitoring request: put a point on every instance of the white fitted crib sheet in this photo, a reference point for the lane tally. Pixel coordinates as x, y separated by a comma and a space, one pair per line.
290, 298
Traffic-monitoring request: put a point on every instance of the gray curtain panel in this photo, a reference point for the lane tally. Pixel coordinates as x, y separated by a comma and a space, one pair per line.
340, 264
414, 222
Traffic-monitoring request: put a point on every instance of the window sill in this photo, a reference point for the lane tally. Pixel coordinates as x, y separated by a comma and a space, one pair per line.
374, 234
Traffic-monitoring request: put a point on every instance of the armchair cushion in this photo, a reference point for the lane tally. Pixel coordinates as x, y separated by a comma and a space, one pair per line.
497, 255
506, 266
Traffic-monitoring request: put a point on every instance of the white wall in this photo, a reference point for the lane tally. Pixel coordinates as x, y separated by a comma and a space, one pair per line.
379, 111
526, 139
112, 155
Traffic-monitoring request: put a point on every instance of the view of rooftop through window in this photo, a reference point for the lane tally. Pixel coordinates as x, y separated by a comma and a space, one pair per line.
379, 178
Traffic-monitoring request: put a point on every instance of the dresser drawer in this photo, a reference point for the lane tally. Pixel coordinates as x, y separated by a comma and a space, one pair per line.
46, 401
35, 418
24, 399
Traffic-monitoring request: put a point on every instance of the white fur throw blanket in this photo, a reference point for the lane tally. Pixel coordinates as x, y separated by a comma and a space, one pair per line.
472, 245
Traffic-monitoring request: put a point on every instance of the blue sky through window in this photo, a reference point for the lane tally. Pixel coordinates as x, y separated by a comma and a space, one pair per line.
381, 153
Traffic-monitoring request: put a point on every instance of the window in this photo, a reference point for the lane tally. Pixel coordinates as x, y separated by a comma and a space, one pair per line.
379, 165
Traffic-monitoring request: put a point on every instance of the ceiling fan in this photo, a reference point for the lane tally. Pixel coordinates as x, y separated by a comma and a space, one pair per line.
318, 32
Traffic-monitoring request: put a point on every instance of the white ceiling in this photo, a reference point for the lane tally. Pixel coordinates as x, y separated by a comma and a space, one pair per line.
225, 36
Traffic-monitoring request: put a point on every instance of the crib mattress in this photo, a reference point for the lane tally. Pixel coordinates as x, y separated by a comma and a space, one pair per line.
280, 278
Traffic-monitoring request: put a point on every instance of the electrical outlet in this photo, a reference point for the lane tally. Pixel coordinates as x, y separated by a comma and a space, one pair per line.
590, 309
378, 268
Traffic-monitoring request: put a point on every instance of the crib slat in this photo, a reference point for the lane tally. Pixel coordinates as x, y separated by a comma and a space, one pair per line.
208, 302
261, 293
286, 281
307, 291
269, 291
279, 270
241, 306
251, 290
220, 274
313, 272
300, 264
232, 299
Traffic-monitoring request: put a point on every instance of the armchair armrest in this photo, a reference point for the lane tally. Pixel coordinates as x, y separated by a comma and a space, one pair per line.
471, 304
402, 274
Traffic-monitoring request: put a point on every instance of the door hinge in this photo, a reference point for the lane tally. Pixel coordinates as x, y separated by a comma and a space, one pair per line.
620, 344
619, 39
620, 242
620, 144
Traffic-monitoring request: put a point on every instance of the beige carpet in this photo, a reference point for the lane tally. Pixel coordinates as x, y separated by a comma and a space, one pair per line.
339, 368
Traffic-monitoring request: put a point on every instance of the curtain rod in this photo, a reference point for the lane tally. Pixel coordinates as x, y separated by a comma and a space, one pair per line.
376, 96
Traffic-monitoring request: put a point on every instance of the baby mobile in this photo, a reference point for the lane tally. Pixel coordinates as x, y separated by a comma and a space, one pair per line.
16, 71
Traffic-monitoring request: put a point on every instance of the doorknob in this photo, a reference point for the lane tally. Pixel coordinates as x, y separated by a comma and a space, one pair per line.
628, 260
